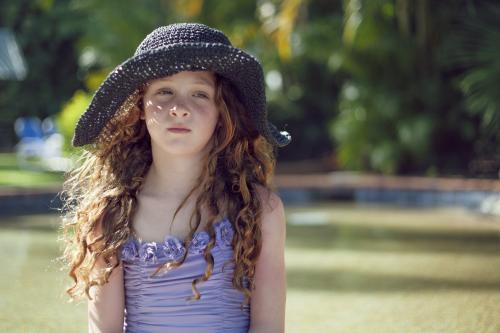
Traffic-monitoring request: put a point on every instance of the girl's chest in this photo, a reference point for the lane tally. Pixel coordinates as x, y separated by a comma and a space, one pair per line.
153, 220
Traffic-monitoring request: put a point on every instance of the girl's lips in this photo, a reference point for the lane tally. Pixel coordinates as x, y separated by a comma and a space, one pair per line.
179, 130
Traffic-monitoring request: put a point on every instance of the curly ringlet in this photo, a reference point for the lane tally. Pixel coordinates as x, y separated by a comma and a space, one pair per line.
104, 190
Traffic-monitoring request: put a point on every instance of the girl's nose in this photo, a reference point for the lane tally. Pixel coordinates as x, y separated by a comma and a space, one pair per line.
175, 111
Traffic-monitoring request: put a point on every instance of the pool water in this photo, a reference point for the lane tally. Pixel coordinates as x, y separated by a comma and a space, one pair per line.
350, 268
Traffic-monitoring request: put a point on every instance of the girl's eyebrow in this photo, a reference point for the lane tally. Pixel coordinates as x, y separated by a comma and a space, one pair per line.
202, 81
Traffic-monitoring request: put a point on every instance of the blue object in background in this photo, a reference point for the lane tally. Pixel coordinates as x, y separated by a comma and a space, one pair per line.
49, 127
28, 127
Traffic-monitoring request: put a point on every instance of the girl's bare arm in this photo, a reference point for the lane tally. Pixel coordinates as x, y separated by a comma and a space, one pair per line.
269, 297
106, 310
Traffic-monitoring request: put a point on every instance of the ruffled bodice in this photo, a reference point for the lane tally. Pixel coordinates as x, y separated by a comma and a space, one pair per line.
159, 303
172, 248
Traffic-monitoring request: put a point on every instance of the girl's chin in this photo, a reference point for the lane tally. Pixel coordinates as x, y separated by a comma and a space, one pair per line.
181, 149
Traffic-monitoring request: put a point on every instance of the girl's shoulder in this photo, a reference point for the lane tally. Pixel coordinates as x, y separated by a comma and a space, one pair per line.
273, 211
270, 200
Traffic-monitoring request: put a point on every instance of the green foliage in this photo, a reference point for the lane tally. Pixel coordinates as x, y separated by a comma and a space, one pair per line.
66, 120
46, 32
308, 97
405, 86
399, 112
475, 48
114, 30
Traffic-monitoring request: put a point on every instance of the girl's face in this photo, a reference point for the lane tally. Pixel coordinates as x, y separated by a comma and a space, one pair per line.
185, 100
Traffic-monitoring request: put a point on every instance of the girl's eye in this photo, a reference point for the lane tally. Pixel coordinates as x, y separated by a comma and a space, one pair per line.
202, 94
164, 92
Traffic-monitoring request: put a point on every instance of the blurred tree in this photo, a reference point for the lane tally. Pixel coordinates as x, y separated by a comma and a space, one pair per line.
473, 51
393, 86
303, 40
46, 31
69, 115
400, 111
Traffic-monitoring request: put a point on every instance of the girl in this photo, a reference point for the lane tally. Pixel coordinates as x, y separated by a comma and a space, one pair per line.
171, 223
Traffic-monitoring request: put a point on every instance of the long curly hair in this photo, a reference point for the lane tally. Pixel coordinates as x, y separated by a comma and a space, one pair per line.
101, 192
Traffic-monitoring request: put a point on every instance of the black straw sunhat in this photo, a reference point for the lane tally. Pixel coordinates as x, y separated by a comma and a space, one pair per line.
171, 49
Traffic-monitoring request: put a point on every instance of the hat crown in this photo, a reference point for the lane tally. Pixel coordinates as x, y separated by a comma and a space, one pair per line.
179, 33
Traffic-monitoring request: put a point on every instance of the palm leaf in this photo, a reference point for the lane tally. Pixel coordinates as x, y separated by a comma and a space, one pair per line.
475, 49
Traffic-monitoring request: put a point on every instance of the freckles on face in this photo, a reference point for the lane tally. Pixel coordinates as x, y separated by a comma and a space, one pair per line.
182, 94
151, 111
158, 111
187, 99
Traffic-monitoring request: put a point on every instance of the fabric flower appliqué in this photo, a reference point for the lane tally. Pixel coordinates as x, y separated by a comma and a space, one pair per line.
148, 252
173, 248
225, 233
129, 251
199, 242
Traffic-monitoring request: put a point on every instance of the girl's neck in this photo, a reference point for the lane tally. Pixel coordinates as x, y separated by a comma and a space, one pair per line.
172, 176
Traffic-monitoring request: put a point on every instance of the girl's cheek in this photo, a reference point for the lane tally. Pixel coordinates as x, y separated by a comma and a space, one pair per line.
155, 106
155, 109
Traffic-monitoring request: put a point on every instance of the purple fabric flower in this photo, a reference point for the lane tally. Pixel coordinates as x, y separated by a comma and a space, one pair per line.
199, 243
148, 252
129, 251
173, 248
225, 233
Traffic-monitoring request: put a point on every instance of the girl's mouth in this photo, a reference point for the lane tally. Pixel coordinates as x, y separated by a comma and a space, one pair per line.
179, 130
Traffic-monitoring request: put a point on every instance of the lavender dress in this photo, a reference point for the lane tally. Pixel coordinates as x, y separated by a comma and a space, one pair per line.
159, 304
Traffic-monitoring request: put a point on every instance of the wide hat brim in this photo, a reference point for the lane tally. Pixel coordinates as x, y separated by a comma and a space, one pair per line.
240, 67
